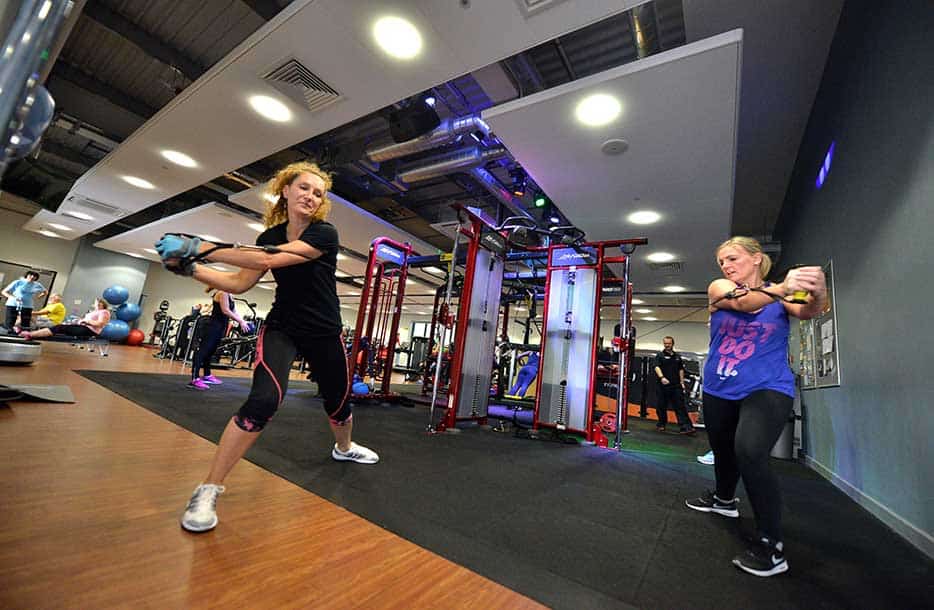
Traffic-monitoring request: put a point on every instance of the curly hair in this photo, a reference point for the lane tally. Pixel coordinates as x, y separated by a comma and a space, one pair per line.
751, 246
277, 213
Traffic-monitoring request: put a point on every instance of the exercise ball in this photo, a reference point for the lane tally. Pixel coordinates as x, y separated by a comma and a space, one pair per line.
116, 294
360, 388
128, 312
136, 337
116, 330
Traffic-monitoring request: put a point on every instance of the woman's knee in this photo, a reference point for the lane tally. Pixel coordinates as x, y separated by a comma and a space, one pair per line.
255, 414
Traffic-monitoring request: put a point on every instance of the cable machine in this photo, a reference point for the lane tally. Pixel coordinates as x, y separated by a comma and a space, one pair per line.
374, 340
575, 279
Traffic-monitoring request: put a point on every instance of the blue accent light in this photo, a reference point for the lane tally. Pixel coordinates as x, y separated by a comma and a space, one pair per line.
430, 100
825, 167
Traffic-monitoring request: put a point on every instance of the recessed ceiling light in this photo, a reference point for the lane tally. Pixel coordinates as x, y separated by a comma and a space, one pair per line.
256, 226
210, 238
150, 250
340, 273
55, 225
354, 293
270, 198
265, 286
134, 255
660, 257
638, 302
397, 37
434, 270
405, 307
48, 233
597, 110
643, 310
341, 257
270, 108
644, 217
673, 288
79, 215
139, 182
650, 319
179, 158
409, 282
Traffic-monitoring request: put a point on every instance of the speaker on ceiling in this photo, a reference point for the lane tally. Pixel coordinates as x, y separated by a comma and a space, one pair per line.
412, 121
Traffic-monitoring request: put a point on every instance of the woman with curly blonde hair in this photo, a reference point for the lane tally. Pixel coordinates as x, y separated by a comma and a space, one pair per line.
305, 319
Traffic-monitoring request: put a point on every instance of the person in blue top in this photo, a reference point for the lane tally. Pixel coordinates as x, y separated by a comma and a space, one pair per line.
526, 376
19, 299
749, 388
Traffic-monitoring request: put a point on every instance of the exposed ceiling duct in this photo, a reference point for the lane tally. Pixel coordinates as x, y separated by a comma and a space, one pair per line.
445, 133
451, 162
491, 184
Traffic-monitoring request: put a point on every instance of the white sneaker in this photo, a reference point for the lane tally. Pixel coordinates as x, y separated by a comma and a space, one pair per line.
707, 458
201, 514
356, 453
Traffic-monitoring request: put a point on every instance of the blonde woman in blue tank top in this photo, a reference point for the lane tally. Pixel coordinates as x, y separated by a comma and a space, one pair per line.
749, 388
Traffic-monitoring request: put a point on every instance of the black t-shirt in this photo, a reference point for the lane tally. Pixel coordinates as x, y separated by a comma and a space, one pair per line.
670, 365
306, 301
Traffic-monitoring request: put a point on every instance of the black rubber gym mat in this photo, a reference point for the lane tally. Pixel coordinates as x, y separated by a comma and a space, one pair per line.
570, 526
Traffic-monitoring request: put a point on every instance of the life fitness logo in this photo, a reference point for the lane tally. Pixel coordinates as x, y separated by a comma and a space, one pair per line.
568, 256
384, 252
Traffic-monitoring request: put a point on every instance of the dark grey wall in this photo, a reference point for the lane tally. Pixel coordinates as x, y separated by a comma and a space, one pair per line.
95, 270
874, 217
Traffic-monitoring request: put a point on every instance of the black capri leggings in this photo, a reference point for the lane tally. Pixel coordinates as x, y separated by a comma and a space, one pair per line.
275, 351
73, 330
742, 433
209, 342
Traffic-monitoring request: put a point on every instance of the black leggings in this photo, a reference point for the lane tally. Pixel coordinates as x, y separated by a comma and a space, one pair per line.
742, 433
25, 314
275, 351
209, 342
73, 330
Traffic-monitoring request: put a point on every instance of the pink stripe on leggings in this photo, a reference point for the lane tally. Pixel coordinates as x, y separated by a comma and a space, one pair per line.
261, 362
347, 389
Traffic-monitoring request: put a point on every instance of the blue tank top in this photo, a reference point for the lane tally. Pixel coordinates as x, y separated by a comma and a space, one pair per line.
748, 352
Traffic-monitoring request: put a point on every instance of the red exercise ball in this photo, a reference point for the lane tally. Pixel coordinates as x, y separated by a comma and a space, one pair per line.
135, 337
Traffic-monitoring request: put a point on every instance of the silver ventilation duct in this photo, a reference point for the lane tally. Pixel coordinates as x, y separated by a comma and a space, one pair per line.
450, 162
445, 133
492, 185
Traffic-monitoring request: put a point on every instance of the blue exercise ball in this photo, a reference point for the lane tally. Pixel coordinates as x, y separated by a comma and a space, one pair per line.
128, 312
116, 294
360, 388
116, 330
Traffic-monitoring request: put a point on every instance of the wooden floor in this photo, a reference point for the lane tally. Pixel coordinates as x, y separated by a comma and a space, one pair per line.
91, 493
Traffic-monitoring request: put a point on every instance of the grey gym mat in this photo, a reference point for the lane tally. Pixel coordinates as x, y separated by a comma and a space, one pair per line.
42, 393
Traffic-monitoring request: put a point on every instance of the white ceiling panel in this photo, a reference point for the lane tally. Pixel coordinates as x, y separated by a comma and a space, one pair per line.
357, 227
680, 111
212, 122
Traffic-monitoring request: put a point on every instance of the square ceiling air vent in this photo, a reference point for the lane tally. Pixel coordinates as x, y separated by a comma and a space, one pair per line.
667, 268
533, 7
302, 85
96, 207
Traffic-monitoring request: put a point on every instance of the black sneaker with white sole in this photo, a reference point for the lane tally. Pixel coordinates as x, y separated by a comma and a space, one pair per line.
764, 558
710, 503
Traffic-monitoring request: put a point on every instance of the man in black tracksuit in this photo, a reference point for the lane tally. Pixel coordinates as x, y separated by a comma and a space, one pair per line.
669, 369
